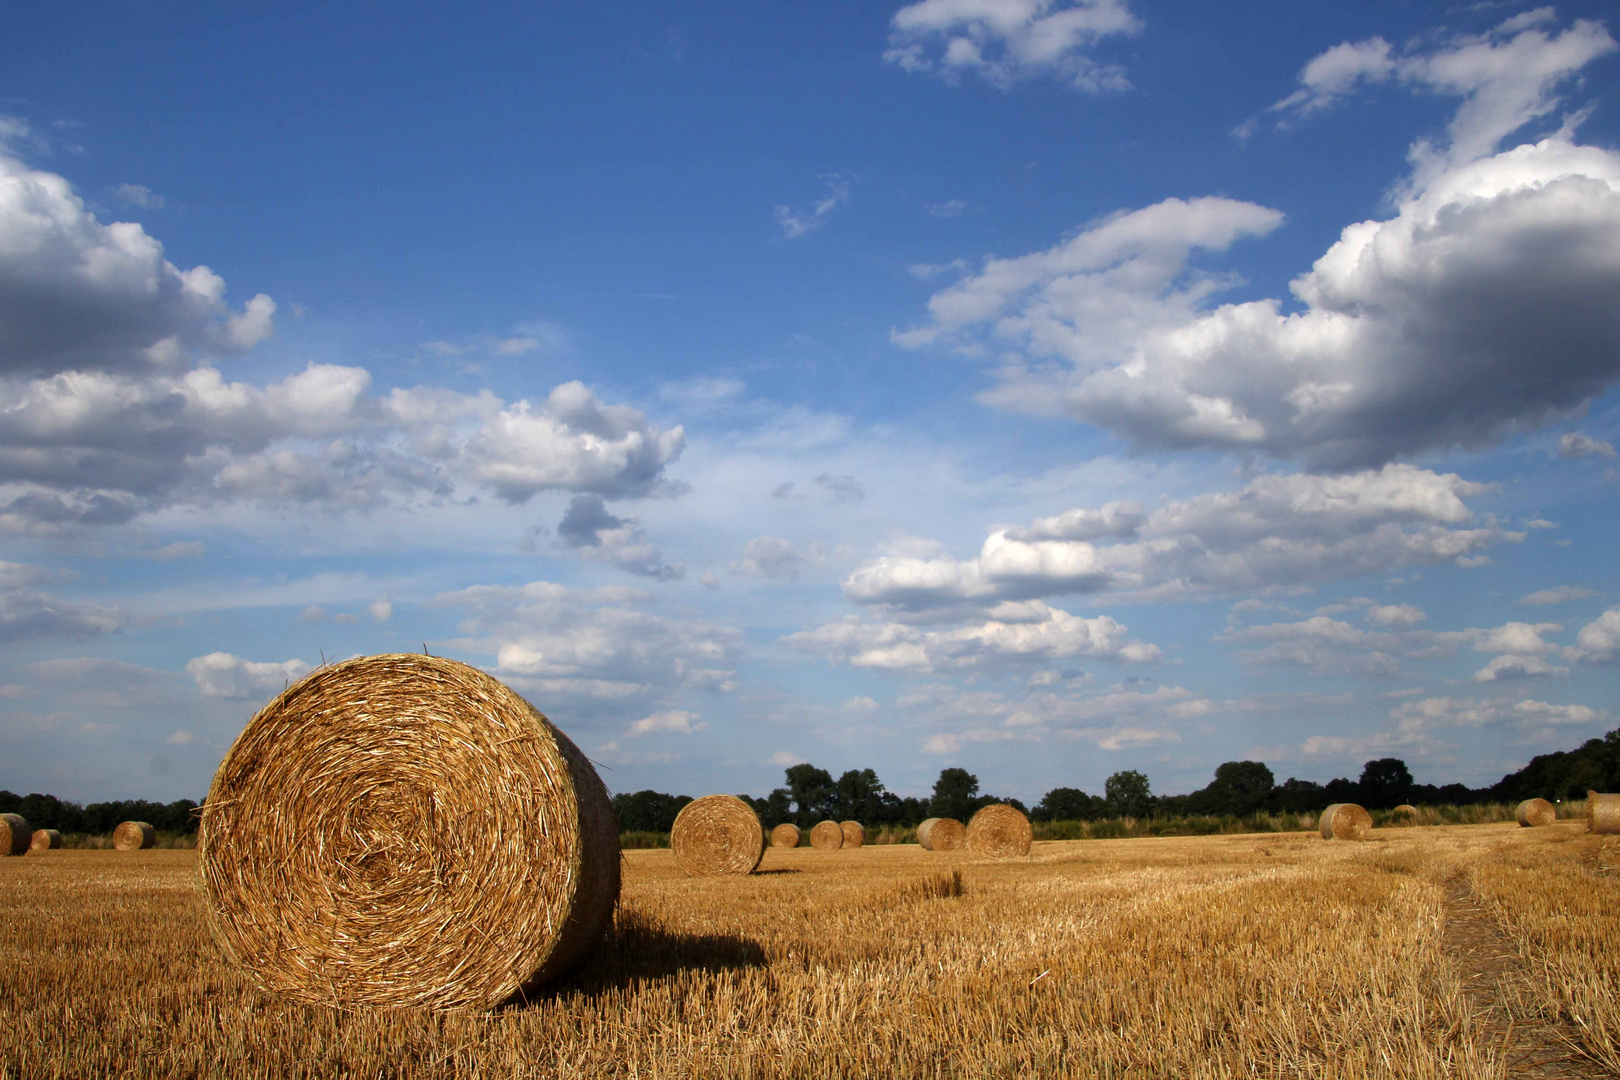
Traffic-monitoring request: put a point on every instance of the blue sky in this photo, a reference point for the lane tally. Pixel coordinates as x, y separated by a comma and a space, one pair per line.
1045, 388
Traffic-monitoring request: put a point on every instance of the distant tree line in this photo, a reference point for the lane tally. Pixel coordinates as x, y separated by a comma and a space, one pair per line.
1240, 788
810, 794
49, 812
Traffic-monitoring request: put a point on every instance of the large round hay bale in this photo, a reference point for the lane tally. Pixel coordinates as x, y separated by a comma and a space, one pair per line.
941, 834
785, 835
45, 840
406, 831
1602, 813
1345, 821
717, 834
1405, 810
1535, 813
134, 836
854, 833
999, 831
15, 836
827, 836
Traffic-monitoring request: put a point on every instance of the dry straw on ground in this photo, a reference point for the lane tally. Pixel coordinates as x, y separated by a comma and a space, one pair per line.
45, 840
14, 834
1345, 821
854, 833
405, 831
1602, 813
941, 834
1534, 813
999, 831
717, 834
785, 835
134, 836
827, 836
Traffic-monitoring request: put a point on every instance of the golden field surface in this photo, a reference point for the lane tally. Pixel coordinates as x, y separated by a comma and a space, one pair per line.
1459, 951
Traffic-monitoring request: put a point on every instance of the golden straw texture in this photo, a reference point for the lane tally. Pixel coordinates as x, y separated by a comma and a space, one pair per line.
134, 836
717, 834
1535, 813
406, 831
999, 831
1345, 821
14, 834
827, 836
854, 833
1405, 810
1602, 813
45, 839
785, 835
941, 834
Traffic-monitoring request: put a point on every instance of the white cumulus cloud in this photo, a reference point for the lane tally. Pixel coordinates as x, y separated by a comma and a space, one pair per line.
1005, 41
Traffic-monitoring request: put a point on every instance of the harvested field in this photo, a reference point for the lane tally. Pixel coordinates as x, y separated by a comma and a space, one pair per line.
954, 966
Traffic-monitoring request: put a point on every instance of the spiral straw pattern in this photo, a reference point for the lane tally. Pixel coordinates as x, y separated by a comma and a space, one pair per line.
717, 834
406, 831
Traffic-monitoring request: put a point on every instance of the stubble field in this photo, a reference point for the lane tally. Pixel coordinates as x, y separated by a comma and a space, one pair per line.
1464, 951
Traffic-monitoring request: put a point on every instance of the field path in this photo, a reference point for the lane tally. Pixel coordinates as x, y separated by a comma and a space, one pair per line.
1486, 961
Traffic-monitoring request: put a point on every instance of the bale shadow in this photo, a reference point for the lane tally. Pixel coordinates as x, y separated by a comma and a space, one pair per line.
778, 870
638, 948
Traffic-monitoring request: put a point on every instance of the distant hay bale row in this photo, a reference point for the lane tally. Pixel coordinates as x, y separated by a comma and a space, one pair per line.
134, 836
827, 836
717, 834
1535, 813
941, 834
404, 831
999, 831
1602, 813
1345, 821
785, 835
14, 834
854, 833
45, 840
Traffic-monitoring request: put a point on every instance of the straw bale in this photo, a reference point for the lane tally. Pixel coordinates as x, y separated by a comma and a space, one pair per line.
854, 833
1535, 813
44, 840
785, 835
999, 831
1405, 810
404, 831
827, 836
15, 835
941, 834
134, 836
717, 834
1602, 813
1345, 821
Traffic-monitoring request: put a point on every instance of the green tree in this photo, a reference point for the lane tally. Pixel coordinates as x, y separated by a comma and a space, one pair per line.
1128, 794
1065, 804
859, 795
1385, 783
954, 793
812, 790
1239, 788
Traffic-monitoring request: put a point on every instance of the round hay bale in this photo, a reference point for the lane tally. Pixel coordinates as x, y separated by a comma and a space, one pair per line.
999, 831
1346, 821
1602, 813
785, 835
1535, 813
45, 840
404, 831
134, 836
941, 834
15, 835
827, 836
717, 834
1405, 810
854, 833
